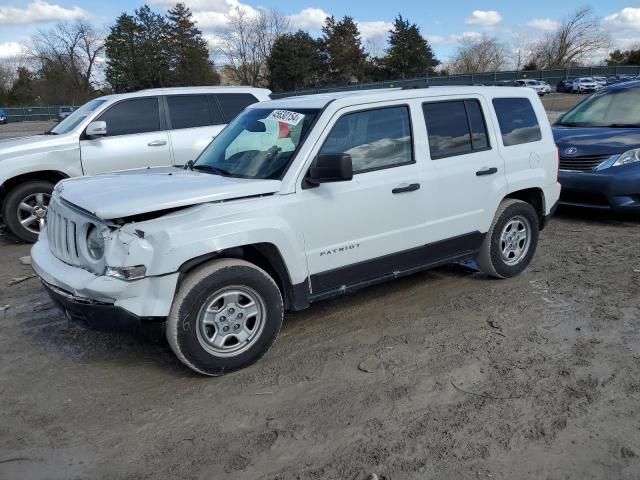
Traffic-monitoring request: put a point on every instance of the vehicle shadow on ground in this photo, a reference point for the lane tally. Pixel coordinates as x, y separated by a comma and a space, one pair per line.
601, 217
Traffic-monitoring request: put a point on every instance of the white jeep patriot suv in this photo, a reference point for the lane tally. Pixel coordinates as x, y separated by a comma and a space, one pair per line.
157, 127
298, 200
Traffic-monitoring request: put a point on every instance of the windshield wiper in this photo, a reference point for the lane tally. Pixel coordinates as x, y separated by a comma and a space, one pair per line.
214, 170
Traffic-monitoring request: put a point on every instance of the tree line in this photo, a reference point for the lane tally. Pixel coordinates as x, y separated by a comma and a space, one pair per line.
74, 61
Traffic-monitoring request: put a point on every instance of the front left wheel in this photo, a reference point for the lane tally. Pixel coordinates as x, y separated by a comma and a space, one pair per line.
224, 317
25, 209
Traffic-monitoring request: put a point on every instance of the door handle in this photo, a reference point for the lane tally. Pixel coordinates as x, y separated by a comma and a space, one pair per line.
157, 143
412, 187
486, 171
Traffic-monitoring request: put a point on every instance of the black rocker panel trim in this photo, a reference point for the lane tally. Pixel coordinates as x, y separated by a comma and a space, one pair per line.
358, 275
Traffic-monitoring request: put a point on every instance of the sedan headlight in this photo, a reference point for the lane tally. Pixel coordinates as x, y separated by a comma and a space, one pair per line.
95, 243
630, 156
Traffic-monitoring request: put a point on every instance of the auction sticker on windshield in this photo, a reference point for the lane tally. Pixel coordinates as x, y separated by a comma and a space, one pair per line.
286, 116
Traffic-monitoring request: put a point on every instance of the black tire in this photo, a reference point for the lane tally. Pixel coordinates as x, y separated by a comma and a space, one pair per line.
184, 329
12, 201
490, 259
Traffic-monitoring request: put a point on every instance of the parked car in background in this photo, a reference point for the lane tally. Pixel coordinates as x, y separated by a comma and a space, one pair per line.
599, 145
64, 112
564, 86
3, 117
545, 86
602, 81
143, 129
585, 85
299, 200
533, 84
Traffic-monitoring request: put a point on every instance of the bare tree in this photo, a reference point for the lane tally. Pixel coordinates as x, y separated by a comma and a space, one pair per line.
521, 48
74, 48
573, 42
248, 41
482, 54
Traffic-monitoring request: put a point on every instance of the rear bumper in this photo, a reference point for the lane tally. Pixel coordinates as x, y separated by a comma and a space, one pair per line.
615, 188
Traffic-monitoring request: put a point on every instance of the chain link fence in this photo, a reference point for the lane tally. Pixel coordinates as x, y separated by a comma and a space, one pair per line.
22, 114
552, 77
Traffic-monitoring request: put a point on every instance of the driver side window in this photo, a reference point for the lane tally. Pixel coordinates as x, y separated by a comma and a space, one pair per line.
137, 115
375, 139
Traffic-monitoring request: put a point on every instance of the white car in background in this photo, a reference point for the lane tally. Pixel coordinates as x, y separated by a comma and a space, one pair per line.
545, 86
585, 85
533, 84
602, 81
150, 128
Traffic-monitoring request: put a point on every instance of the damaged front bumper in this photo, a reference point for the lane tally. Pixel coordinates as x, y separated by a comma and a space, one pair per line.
99, 301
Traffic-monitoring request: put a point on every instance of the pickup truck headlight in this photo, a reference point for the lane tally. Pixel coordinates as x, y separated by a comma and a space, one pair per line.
630, 156
95, 243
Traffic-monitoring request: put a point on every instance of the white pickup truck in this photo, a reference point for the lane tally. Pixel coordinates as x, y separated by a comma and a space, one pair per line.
157, 127
298, 200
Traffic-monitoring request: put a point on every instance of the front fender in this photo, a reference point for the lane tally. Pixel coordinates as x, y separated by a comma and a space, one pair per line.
168, 242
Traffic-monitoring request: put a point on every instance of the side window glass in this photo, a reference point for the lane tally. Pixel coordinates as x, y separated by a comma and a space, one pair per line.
447, 128
233, 103
138, 115
479, 138
517, 120
375, 139
188, 111
214, 110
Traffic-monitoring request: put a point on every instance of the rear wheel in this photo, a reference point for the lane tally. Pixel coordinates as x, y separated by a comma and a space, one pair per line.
25, 209
511, 241
225, 317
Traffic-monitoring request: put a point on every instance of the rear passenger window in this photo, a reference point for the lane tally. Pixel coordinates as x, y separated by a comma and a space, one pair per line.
375, 139
517, 120
138, 115
455, 128
188, 111
233, 103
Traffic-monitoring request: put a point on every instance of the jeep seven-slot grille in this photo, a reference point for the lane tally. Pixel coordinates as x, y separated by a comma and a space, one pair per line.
62, 234
582, 164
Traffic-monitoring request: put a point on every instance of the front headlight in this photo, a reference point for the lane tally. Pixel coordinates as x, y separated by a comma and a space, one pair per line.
630, 156
95, 243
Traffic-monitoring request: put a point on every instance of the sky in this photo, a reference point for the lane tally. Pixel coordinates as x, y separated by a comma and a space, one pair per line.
443, 23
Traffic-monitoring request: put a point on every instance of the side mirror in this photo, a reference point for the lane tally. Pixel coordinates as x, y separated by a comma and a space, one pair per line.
330, 167
97, 129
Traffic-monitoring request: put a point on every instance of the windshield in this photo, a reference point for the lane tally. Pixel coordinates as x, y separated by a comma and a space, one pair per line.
76, 117
613, 108
259, 143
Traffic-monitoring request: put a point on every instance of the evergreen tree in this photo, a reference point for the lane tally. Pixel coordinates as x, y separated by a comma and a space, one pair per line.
21, 92
343, 53
295, 62
123, 57
409, 53
154, 48
188, 50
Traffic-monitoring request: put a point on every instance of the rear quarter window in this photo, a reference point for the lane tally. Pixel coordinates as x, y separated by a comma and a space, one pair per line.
232, 104
517, 120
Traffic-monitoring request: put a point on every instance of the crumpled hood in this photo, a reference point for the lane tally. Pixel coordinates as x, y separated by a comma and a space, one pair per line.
596, 141
133, 192
15, 147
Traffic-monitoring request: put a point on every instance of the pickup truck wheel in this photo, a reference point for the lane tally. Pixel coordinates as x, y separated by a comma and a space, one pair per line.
511, 241
25, 209
225, 316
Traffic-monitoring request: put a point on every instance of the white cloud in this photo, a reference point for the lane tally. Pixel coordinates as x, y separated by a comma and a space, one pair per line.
627, 18
39, 11
545, 24
452, 38
484, 18
308, 19
11, 49
377, 29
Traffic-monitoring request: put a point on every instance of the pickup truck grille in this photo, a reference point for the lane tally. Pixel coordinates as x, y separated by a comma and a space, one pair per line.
582, 164
62, 234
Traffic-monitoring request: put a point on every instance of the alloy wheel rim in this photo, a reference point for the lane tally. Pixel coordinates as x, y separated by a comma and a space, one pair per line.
32, 211
515, 240
231, 321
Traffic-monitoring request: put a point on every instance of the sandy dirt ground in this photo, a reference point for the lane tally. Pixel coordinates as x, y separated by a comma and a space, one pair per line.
441, 375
